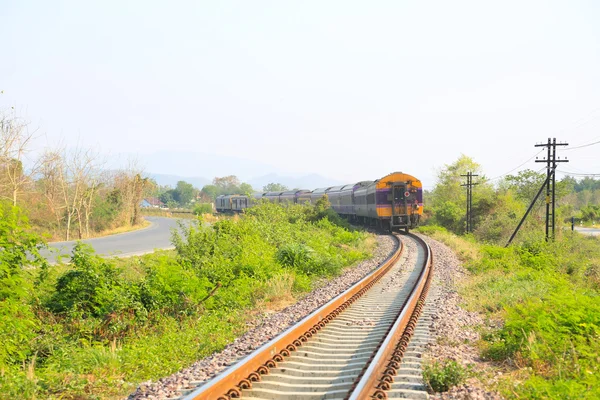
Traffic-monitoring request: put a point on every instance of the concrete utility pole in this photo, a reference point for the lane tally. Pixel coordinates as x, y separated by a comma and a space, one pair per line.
551, 162
469, 186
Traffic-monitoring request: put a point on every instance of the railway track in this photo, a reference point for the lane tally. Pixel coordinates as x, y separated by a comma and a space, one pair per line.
353, 347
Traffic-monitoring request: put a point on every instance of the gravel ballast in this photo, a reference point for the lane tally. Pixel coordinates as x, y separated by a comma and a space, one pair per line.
262, 330
454, 329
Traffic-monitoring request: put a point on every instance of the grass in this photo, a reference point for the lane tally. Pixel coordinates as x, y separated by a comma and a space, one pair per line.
96, 328
544, 298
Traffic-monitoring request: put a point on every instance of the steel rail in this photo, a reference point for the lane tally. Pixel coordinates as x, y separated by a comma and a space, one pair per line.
379, 375
241, 375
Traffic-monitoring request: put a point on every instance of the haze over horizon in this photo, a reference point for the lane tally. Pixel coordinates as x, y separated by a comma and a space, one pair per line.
343, 89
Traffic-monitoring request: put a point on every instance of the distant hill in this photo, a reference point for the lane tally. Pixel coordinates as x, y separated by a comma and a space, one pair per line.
199, 169
177, 163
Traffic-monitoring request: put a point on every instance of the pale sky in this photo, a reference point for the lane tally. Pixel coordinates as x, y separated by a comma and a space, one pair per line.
350, 90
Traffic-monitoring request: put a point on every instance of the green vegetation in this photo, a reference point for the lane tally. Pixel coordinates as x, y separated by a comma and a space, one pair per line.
225, 185
545, 298
98, 327
203, 208
275, 187
542, 296
441, 376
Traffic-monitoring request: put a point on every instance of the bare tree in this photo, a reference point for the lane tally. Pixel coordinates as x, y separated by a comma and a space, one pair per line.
51, 173
15, 138
70, 179
132, 186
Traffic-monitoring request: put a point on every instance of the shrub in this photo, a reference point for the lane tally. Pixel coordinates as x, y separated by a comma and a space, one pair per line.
441, 376
203, 208
171, 288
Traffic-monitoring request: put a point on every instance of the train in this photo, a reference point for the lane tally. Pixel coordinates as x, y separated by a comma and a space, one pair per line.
394, 202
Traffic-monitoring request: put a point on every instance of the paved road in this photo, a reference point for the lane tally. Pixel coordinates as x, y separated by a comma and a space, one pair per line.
156, 236
588, 231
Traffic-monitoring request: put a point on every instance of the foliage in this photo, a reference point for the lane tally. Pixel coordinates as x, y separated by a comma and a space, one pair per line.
16, 243
19, 249
203, 208
226, 185
182, 195
275, 187
448, 198
98, 327
442, 376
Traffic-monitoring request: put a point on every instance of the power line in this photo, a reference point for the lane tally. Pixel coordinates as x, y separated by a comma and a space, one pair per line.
582, 121
583, 145
577, 173
517, 167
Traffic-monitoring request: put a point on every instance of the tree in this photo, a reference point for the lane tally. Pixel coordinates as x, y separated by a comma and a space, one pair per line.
525, 184
448, 201
246, 188
211, 191
167, 196
275, 187
15, 138
226, 182
185, 193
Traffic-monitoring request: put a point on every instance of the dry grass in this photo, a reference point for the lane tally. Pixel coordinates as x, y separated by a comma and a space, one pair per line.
464, 249
277, 292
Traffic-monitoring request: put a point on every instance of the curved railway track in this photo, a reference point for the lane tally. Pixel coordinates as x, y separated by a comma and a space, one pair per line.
352, 347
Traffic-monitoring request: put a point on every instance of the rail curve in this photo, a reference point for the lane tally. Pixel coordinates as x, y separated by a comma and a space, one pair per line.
349, 348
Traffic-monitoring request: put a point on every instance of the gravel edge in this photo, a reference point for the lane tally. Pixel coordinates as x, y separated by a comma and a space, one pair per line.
454, 330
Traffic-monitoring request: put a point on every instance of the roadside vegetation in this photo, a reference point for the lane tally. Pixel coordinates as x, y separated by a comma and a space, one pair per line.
98, 327
540, 299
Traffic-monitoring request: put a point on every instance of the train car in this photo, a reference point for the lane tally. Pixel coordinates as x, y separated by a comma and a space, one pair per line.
392, 202
223, 203
318, 193
256, 197
291, 196
303, 196
273, 197
239, 203
232, 202
347, 198
334, 194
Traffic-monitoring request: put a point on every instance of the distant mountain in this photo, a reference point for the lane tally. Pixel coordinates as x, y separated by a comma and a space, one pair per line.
177, 163
200, 168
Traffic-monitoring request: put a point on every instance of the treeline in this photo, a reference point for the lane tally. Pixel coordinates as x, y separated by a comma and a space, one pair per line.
499, 205
66, 191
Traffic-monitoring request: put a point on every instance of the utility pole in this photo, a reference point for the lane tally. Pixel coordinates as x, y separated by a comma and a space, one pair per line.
469, 186
551, 162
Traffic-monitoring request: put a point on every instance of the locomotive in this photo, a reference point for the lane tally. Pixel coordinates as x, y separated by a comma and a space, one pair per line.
393, 202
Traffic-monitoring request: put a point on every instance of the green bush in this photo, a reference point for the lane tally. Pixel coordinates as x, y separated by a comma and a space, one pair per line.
202, 208
441, 376
93, 287
170, 288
